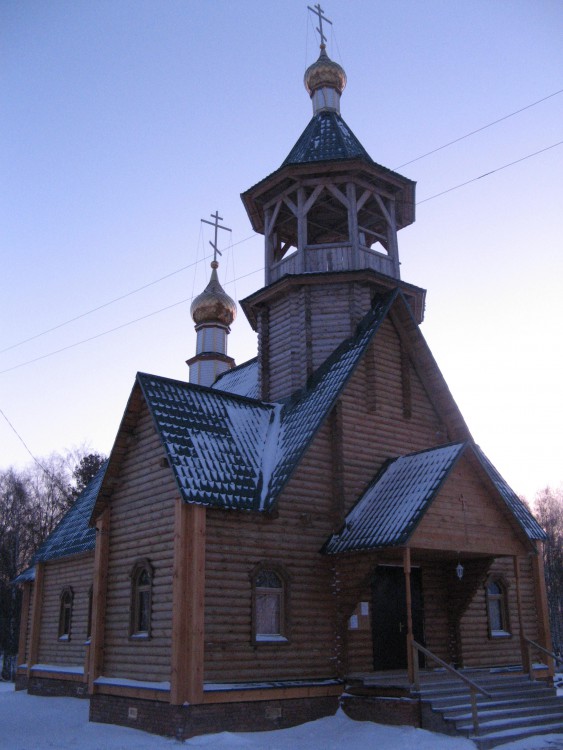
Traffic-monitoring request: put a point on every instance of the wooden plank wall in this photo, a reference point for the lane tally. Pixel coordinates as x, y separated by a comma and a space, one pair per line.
142, 526
467, 517
236, 543
74, 571
478, 649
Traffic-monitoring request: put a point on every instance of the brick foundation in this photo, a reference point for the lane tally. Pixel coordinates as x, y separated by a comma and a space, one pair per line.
397, 711
183, 722
21, 681
56, 688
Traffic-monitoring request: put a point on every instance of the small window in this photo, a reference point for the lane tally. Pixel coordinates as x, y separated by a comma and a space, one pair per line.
141, 599
270, 607
497, 608
65, 614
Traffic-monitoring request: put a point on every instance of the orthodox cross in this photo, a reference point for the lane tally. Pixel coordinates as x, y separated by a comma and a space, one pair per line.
217, 226
318, 11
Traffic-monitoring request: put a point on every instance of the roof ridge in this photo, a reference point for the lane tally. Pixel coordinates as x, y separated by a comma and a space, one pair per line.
216, 392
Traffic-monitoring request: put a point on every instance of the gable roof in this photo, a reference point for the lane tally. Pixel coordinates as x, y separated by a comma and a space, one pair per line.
214, 441
391, 508
74, 534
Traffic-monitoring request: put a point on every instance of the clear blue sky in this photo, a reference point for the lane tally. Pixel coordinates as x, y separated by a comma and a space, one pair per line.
127, 121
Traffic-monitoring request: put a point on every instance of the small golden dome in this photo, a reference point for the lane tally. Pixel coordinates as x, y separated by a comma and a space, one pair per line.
213, 305
324, 73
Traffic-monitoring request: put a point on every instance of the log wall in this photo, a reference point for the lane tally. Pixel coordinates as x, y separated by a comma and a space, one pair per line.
292, 538
467, 517
141, 526
74, 572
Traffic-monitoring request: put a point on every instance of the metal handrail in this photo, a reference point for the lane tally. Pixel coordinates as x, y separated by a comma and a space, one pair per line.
550, 654
473, 686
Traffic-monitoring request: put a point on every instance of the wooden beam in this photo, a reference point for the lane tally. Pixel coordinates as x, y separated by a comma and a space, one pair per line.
179, 657
523, 645
195, 601
99, 594
410, 636
36, 616
544, 632
24, 624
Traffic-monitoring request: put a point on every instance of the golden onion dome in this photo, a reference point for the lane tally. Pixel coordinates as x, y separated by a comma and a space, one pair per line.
324, 73
213, 305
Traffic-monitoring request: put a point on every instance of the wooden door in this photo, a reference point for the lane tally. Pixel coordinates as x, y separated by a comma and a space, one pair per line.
389, 616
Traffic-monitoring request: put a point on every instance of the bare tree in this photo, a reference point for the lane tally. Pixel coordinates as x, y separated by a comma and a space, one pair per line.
549, 512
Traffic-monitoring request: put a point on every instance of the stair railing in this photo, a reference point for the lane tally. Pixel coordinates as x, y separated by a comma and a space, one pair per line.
551, 656
473, 686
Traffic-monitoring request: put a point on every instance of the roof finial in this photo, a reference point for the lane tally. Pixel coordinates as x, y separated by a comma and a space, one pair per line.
318, 11
213, 244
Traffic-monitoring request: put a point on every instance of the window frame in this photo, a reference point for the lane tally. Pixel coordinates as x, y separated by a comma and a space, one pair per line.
283, 637
66, 600
500, 602
138, 589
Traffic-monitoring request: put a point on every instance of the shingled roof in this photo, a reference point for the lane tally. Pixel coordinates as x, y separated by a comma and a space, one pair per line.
326, 138
392, 506
74, 534
229, 451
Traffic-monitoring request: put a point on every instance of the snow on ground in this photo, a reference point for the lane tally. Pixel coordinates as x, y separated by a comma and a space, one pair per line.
28, 722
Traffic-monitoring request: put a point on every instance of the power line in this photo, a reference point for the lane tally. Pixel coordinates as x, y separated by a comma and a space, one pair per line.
486, 174
111, 301
478, 130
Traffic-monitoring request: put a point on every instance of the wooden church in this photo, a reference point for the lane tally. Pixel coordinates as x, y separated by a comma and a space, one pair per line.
313, 528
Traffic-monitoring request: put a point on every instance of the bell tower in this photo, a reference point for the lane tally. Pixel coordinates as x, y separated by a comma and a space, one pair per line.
330, 217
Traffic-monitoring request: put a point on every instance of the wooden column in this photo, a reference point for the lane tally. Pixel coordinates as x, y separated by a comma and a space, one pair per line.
36, 616
410, 637
24, 624
523, 645
353, 231
301, 230
188, 594
544, 632
99, 594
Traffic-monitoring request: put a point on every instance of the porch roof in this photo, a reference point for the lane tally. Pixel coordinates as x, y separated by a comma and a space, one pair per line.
392, 506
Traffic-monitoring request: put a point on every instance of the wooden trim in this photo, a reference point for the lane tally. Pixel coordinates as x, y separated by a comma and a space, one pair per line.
265, 694
56, 675
101, 556
148, 694
24, 623
36, 615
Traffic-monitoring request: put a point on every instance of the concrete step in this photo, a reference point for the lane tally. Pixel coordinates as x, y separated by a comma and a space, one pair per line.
501, 737
512, 721
500, 708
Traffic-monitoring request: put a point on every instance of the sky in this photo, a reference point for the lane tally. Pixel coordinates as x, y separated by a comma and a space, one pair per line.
30, 721
126, 122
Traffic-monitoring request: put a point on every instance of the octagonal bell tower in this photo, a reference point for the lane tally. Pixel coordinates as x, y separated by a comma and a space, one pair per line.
330, 217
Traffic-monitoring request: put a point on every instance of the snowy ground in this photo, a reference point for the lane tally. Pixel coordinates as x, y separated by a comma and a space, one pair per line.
28, 722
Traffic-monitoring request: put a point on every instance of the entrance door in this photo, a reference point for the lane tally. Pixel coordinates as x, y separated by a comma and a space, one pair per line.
389, 616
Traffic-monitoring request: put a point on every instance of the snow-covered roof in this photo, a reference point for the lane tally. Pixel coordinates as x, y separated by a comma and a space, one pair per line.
390, 509
241, 380
392, 505
229, 451
74, 534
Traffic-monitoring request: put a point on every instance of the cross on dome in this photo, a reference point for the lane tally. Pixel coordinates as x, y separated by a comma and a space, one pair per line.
318, 11
217, 226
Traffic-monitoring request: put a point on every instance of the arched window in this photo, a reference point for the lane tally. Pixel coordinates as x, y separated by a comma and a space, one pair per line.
269, 591
497, 608
65, 614
141, 599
